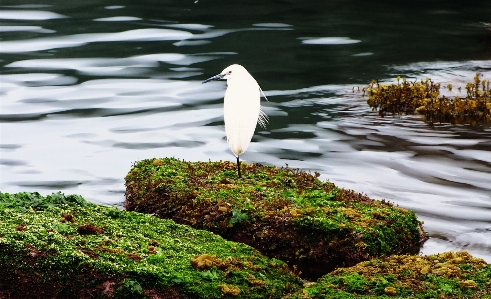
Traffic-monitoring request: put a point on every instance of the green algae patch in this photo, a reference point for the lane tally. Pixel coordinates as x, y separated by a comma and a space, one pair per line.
424, 97
65, 247
285, 213
446, 275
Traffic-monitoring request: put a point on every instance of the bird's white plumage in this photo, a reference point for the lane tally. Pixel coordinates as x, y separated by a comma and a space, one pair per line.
241, 108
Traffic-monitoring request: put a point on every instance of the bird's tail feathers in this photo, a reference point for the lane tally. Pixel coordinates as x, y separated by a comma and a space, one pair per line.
263, 93
263, 119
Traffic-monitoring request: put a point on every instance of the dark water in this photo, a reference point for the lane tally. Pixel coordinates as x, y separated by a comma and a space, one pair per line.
89, 87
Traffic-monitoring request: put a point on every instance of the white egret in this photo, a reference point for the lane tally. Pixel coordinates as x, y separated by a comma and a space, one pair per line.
241, 108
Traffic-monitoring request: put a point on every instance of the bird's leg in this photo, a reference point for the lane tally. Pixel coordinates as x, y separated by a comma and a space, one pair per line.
238, 167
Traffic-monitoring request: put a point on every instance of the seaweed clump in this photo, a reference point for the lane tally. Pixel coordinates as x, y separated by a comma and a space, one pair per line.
108, 253
424, 97
446, 275
285, 213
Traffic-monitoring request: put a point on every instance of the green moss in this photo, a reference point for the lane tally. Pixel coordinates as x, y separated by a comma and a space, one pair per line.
434, 276
57, 238
330, 225
57, 246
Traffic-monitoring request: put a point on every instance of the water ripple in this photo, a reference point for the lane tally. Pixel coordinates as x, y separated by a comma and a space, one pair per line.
118, 19
47, 43
329, 41
37, 29
31, 15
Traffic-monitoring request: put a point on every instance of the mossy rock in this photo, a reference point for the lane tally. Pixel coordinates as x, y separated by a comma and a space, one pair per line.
447, 275
284, 213
64, 247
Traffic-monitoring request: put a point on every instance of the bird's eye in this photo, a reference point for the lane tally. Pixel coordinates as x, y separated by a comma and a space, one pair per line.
229, 72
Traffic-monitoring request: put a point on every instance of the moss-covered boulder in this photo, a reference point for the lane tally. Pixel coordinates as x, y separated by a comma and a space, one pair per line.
285, 213
447, 275
64, 247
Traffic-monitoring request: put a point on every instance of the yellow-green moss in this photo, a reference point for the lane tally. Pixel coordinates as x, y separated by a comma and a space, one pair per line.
447, 275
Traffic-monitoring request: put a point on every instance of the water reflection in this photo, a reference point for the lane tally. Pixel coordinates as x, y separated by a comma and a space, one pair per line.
84, 94
30, 15
47, 43
329, 41
118, 19
36, 29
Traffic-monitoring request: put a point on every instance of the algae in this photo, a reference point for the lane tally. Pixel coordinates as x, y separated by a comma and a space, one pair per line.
424, 97
285, 213
59, 246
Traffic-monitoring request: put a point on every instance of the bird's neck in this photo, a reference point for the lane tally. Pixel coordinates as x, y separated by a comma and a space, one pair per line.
245, 81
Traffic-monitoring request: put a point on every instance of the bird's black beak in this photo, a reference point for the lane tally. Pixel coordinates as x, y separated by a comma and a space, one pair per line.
217, 77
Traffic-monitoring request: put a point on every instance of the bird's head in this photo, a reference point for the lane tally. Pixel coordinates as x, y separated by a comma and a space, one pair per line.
234, 70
